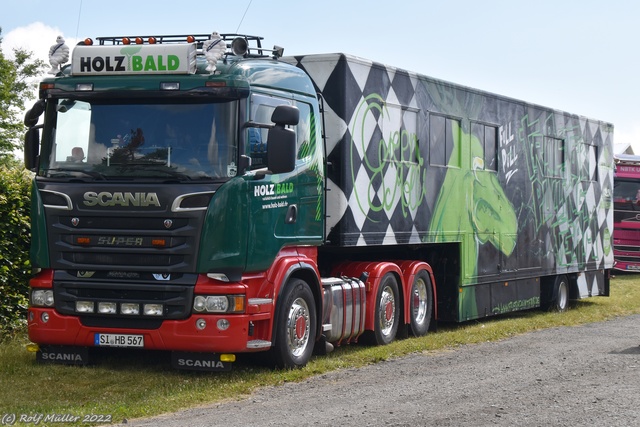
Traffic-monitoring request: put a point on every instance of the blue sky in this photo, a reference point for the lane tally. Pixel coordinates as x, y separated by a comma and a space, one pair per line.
580, 56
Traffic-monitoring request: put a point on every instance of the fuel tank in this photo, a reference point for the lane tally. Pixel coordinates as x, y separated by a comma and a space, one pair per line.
344, 309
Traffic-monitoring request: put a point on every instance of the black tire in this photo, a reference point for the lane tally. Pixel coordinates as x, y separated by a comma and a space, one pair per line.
421, 303
556, 296
387, 314
295, 326
560, 300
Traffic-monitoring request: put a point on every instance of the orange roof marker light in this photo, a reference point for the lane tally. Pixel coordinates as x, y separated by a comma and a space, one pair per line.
126, 40
152, 40
139, 40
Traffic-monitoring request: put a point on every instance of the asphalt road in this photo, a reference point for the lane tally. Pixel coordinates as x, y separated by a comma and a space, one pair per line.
571, 376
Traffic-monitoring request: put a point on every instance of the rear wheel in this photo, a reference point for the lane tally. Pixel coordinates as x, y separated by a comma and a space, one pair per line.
295, 326
387, 314
421, 303
557, 295
560, 300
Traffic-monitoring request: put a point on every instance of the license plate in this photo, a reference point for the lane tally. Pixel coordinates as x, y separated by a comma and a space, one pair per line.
119, 340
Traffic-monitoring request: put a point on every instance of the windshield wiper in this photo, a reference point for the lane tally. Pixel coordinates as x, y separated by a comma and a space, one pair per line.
68, 173
172, 173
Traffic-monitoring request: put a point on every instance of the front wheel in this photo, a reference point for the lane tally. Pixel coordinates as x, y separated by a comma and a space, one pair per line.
295, 326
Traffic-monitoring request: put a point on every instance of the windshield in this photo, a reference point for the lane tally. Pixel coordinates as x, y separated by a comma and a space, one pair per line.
626, 191
141, 139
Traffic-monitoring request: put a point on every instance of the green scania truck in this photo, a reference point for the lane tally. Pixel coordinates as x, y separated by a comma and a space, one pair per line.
205, 195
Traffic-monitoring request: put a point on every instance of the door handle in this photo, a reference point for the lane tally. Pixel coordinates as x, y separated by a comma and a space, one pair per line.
292, 214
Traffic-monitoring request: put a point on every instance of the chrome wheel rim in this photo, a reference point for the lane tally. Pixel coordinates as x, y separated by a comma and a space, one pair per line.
419, 301
563, 296
387, 310
298, 323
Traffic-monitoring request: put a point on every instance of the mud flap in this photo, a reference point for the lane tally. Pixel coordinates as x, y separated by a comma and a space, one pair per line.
64, 355
198, 361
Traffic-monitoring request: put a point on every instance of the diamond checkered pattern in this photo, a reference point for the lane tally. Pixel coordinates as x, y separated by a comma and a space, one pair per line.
380, 195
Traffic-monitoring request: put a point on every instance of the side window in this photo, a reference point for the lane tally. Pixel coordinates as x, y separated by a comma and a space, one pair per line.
443, 132
262, 107
303, 132
488, 137
73, 129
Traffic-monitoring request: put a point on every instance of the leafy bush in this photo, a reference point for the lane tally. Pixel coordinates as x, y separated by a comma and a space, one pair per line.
15, 237
17, 73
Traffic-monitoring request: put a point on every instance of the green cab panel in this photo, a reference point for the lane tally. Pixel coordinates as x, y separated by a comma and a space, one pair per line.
39, 243
224, 233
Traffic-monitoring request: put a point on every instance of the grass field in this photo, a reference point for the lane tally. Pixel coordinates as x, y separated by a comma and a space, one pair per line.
123, 385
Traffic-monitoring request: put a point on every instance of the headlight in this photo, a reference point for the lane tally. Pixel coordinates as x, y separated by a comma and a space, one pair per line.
42, 298
107, 308
199, 303
130, 308
218, 303
85, 306
153, 309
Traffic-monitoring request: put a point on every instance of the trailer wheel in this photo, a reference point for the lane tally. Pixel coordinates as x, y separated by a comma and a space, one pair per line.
421, 303
387, 313
560, 300
295, 326
557, 296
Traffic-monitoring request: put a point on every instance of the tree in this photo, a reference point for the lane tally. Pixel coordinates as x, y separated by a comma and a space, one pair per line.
16, 86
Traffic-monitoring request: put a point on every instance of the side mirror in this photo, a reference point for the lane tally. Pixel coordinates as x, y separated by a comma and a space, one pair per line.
32, 148
281, 142
31, 117
281, 150
285, 115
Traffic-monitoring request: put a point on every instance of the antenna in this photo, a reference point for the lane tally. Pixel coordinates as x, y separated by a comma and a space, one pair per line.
78, 24
245, 14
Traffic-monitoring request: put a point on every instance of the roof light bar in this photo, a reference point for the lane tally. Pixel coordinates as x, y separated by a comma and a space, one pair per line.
236, 44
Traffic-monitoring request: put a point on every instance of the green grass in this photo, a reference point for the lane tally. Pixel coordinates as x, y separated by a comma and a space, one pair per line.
138, 384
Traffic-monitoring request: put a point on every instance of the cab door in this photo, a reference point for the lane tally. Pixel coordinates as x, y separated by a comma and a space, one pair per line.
285, 209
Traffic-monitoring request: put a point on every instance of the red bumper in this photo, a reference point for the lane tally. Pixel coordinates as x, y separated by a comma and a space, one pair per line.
180, 335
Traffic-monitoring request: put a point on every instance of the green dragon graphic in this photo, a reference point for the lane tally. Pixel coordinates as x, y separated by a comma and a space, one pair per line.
472, 202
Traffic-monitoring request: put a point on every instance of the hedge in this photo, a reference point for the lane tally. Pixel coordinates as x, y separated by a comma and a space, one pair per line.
15, 236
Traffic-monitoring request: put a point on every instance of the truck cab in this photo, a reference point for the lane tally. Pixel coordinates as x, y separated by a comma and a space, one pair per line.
162, 174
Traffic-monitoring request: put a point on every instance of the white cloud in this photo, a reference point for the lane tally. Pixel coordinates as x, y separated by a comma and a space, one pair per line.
35, 37
629, 134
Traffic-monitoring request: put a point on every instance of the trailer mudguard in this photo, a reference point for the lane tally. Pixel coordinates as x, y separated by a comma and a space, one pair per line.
409, 271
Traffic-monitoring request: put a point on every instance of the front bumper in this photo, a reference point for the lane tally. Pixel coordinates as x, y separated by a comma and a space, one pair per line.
174, 335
